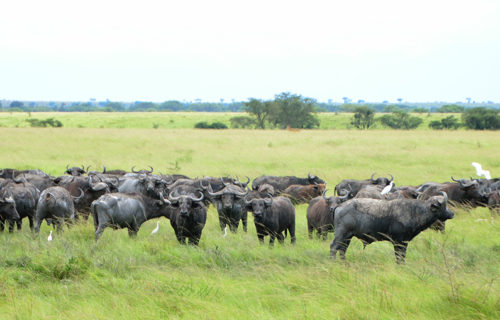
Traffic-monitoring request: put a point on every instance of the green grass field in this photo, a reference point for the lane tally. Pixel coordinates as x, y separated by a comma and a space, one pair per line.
172, 120
451, 276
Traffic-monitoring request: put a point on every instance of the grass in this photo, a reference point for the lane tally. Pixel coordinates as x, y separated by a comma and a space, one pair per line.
172, 120
451, 276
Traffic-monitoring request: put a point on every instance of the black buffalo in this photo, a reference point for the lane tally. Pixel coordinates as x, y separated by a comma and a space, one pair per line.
273, 216
26, 197
76, 171
352, 186
398, 221
7, 211
126, 210
188, 217
281, 183
230, 206
56, 205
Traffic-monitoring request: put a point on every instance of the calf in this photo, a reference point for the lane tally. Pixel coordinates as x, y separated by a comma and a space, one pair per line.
303, 194
398, 221
272, 216
7, 211
56, 204
126, 210
320, 215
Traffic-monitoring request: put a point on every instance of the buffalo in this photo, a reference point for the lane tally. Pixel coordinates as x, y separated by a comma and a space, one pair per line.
320, 215
126, 210
303, 194
398, 221
7, 211
56, 205
272, 216
281, 183
230, 206
353, 186
26, 197
188, 216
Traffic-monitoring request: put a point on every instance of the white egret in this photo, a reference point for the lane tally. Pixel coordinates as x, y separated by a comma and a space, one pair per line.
157, 228
387, 189
50, 236
480, 172
225, 231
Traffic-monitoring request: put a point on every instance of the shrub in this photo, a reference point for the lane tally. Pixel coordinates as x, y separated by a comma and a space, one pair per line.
242, 122
481, 119
400, 120
206, 125
363, 117
50, 122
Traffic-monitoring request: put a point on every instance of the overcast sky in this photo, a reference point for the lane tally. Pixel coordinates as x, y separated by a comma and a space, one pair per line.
426, 50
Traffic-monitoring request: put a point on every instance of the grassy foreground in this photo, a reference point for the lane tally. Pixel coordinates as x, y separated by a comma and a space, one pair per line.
451, 276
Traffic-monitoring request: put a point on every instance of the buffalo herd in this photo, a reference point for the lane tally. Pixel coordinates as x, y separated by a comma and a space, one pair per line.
371, 210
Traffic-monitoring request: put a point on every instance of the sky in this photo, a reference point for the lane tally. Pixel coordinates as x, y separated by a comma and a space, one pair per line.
419, 51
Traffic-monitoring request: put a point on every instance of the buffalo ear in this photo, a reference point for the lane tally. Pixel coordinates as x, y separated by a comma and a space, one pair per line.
436, 205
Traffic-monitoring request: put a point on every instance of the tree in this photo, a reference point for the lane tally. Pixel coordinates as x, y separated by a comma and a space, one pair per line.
115, 106
17, 104
295, 111
450, 108
481, 119
261, 111
242, 122
363, 117
449, 122
400, 120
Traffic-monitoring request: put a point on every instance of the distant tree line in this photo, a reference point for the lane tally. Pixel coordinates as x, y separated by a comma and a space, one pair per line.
234, 106
476, 118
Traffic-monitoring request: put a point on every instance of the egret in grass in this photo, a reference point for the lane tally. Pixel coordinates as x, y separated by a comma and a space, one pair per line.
157, 228
50, 236
387, 189
480, 172
225, 231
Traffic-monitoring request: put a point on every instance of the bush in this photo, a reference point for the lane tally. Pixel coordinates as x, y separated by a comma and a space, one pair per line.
481, 119
50, 122
363, 117
242, 122
400, 120
450, 108
206, 125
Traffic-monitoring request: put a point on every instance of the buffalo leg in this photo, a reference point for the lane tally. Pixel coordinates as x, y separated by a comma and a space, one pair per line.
132, 232
222, 222
310, 230
261, 238
98, 232
32, 225
281, 238
339, 243
19, 224
244, 220
2, 225
293, 238
400, 251
11, 226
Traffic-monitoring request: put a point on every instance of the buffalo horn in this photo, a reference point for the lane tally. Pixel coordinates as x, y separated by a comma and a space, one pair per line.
212, 193
269, 200
104, 170
197, 199
445, 200
172, 196
371, 178
392, 178
163, 199
76, 199
98, 186
151, 171
134, 170
454, 179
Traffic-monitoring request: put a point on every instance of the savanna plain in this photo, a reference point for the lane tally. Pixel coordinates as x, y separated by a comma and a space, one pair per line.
454, 275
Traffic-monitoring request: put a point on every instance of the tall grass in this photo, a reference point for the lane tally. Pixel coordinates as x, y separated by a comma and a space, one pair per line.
171, 120
451, 276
